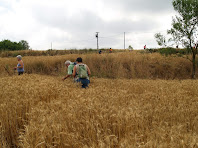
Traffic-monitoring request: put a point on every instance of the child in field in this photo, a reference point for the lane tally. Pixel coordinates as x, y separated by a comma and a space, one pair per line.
20, 65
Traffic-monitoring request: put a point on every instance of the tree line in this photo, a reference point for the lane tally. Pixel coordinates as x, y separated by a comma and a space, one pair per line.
7, 45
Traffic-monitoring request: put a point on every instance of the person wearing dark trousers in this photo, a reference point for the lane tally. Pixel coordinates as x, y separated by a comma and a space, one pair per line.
81, 73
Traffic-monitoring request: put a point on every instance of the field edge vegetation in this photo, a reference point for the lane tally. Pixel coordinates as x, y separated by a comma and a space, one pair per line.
130, 65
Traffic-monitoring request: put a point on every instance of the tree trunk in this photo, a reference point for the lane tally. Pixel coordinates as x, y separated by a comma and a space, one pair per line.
193, 64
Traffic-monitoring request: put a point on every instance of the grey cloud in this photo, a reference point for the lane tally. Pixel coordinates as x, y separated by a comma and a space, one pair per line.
89, 22
59, 18
111, 34
131, 26
151, 6
82, 25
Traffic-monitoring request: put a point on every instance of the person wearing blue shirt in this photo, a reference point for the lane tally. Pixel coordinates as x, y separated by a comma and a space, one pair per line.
20, 65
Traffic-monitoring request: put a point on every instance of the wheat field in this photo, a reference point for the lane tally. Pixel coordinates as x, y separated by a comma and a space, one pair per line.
130, 65
39, 111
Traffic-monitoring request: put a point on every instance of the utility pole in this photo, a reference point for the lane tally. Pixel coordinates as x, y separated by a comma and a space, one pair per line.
51, 45
97, 39
124, 40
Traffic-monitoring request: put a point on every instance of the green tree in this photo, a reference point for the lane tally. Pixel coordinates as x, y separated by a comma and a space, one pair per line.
9, 45
6, 45
24, 44
161, 39
184, 26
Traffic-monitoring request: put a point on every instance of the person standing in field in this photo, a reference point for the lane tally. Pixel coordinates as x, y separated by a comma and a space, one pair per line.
110, 50
20, 65
70, 65
81, 73
100, 51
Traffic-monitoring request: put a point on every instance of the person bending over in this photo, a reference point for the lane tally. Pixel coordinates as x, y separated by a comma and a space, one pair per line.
70, 65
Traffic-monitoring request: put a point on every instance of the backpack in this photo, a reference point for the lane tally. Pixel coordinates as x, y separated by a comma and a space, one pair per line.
73, 64
82, 71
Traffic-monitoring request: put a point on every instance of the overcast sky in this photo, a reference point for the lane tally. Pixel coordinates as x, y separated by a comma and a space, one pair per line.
73, 23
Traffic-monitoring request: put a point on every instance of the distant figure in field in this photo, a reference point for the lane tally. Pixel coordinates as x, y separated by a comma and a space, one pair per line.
100, 51
81, 73
70, 66
20, 65
110, 50
177, 46
144, 46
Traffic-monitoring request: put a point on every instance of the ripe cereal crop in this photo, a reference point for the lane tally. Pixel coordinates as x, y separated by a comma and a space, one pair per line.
44, 111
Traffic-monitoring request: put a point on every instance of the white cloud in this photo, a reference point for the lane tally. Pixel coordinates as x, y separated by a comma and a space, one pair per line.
72, 24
